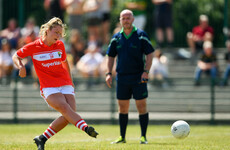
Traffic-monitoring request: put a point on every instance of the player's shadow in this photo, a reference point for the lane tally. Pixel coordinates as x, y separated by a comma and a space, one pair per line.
164, 144
152, 143
138, 144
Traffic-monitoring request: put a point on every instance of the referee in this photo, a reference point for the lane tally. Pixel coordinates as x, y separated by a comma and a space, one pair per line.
134, 58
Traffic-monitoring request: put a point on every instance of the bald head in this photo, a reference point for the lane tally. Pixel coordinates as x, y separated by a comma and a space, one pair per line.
126, 12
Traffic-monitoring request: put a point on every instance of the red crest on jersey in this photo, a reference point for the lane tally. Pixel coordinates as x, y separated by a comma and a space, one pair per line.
51, 56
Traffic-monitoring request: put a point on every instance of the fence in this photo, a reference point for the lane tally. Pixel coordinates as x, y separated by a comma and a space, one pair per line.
20, 101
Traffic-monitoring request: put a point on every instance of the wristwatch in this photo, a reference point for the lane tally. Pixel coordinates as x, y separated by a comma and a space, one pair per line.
147, 71
109, 73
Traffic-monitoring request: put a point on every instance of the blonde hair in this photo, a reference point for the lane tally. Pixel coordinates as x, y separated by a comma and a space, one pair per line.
55, 21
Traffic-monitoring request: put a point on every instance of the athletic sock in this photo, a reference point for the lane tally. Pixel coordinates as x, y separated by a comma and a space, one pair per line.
144, 120
49, 132
123, 121
81, 125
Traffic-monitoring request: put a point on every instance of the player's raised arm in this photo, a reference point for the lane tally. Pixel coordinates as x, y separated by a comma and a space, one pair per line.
18, 62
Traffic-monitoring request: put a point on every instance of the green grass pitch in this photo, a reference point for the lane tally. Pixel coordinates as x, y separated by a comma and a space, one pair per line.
19, 137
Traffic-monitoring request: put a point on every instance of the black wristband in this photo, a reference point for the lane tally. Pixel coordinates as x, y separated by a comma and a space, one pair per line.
147, 71
109, 73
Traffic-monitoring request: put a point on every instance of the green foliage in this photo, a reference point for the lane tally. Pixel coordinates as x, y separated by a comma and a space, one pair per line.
185, 16
11, 9
36, 10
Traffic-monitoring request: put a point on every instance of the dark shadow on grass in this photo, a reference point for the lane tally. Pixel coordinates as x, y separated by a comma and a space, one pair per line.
151, 143
164, 144
138, 144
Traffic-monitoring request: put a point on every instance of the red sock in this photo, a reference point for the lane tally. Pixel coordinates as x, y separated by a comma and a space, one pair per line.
81, 124
49, 133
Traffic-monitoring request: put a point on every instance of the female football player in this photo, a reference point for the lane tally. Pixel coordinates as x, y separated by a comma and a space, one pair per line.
56, 86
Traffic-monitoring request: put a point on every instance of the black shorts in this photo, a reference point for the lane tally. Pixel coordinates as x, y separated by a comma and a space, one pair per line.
126, 91
106, 17
199, 45
163, 16
94, 21
163, 21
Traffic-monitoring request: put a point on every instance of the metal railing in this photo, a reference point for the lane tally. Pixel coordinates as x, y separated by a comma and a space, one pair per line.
19, 99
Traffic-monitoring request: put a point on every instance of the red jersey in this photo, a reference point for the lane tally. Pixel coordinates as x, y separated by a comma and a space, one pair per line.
47, 62
201, 32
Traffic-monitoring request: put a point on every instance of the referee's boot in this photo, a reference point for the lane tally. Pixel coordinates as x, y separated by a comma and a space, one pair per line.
91, 131
119, 140
143, 140
39, 142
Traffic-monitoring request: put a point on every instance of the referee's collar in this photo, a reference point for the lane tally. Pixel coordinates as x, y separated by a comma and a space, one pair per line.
127, 36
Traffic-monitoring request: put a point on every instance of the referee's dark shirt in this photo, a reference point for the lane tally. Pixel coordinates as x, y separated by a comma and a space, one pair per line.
130, 51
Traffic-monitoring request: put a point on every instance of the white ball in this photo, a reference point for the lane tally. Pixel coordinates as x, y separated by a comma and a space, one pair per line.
180, 129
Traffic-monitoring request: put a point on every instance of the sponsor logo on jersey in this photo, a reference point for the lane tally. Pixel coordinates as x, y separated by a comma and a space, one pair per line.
55, 63
47, 56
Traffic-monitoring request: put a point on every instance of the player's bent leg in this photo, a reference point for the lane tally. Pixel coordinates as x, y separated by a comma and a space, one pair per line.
41, 140
70, 99
88, 129
59, 103
57, 125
